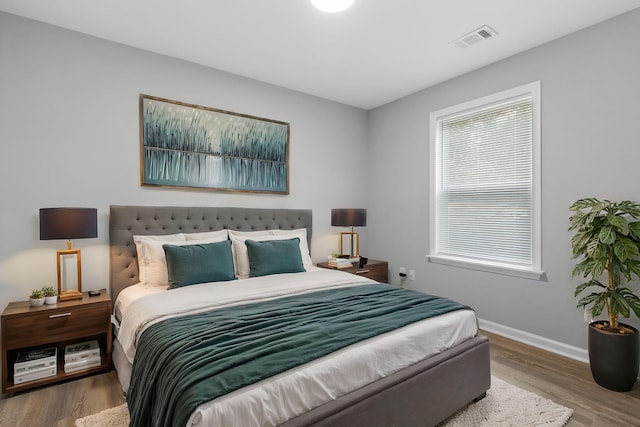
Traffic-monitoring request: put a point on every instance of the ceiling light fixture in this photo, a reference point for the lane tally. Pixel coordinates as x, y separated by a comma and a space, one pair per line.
332, 6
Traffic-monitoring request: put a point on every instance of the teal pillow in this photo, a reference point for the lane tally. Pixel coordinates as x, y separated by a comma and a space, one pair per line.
274, 257
201, 263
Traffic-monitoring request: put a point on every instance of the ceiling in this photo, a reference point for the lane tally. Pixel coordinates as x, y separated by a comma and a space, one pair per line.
373, 53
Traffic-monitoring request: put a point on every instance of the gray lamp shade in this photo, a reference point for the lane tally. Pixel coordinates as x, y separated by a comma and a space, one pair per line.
348, 217
68, 223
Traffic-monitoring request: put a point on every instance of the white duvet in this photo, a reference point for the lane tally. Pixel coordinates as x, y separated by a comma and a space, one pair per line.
284, 396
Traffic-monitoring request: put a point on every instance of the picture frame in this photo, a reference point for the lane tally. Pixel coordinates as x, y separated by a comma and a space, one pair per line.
190, 146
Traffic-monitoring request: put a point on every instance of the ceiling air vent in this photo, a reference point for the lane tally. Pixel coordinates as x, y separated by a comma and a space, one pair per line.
475, 36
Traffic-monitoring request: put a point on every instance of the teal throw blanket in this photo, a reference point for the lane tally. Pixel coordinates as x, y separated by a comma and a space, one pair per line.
183, 362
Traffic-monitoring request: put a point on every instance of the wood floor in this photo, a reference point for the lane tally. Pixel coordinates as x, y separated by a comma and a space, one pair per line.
562, 380
565, 381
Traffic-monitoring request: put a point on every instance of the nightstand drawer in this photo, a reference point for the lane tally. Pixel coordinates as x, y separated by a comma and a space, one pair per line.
377, 272
374, 270
56, 325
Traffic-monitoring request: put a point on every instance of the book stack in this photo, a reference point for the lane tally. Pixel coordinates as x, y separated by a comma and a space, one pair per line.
339, 262
81, 356
35, 365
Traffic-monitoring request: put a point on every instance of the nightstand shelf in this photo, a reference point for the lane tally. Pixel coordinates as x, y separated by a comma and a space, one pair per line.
375, 270
29, 328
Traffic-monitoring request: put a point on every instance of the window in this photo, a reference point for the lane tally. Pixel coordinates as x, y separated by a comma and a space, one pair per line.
485, 198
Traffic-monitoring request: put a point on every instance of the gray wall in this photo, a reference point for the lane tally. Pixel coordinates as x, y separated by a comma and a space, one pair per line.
70, 137
590, 147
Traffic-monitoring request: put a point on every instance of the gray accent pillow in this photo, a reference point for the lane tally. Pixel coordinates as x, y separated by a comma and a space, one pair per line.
274, 257
200, 263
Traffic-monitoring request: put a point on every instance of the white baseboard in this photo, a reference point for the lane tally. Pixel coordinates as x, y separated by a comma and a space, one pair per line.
557, 347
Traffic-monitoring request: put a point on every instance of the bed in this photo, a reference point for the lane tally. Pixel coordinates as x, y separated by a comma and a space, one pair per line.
423, 390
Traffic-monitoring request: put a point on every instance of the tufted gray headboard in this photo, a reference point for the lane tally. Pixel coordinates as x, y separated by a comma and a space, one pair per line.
125, 221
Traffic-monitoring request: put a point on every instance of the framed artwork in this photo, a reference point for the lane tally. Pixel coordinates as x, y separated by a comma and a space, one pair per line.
184, 145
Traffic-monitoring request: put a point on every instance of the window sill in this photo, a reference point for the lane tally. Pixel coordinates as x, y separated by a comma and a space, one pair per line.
488, 267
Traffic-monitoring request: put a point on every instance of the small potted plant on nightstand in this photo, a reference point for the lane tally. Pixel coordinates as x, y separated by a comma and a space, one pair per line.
50, 295
36, 298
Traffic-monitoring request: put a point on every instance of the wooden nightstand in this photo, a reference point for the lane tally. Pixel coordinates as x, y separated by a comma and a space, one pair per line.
375, 270
30, 328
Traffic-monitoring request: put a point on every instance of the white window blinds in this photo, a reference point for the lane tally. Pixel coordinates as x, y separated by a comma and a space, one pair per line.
485, 202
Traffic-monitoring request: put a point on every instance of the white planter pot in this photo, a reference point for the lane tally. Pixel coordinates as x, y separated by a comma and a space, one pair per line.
51, 300
35, 302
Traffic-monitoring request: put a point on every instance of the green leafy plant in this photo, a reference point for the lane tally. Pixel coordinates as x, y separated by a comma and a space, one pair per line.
607, 244
48, 291
36, 294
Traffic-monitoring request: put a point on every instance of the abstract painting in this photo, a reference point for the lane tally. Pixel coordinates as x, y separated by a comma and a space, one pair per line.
184, 145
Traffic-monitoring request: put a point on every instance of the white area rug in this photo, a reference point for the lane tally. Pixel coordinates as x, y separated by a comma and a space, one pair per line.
505, 405
114, 417
508, 405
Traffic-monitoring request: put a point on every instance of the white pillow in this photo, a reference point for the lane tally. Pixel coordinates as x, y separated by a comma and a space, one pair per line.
152, 264
241, 256
222, 235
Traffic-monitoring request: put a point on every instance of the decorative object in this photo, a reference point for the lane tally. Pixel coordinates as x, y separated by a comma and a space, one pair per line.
50, 295
36, 298
349, 218
607, 244
332, 6
185, 145
68, 223
505, 405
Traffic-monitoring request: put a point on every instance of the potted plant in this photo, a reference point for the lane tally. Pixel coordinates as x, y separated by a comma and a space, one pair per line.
50, 295
36, 298
607, 245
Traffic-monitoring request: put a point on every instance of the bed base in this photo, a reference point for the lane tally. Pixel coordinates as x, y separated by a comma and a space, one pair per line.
423, 394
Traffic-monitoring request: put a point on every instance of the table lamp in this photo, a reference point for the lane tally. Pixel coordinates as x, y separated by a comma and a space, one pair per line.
68, 223
349, 218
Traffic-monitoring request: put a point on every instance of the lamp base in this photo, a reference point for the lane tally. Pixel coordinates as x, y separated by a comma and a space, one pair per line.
354, 243
69, 295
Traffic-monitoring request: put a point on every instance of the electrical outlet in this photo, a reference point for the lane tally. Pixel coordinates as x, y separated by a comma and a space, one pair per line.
412, 275
402, 272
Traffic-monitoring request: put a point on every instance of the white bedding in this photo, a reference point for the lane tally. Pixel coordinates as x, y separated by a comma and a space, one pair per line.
277, 399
